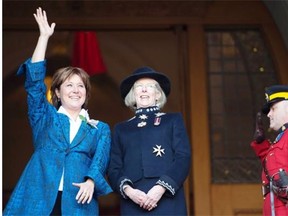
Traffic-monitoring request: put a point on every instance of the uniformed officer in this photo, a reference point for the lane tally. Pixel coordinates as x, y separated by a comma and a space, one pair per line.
150, 154
274, 156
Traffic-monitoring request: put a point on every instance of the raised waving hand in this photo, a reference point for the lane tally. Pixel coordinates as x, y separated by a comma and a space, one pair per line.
45, 32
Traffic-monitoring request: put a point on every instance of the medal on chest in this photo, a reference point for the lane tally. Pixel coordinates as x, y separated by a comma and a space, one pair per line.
158, 150
157, 119
143, 119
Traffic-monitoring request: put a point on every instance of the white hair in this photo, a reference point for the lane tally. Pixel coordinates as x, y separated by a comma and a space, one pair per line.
130, 100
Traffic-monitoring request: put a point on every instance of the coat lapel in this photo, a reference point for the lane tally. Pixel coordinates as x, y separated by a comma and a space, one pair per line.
81, 134
65, 125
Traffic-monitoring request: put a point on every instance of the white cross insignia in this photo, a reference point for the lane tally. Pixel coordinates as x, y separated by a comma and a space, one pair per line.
143, 117
158, 150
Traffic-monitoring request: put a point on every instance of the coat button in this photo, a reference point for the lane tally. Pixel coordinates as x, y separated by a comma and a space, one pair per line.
67, 150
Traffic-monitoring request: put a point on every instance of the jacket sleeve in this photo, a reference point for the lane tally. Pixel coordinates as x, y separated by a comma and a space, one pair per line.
115, 170
98, 168
38, 106
175, 176
260, 149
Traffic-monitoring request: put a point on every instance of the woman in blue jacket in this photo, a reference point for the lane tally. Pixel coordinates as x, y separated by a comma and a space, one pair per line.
150, 153
66, 172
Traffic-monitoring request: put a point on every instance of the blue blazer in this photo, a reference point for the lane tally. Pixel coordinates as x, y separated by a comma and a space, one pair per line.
86, 157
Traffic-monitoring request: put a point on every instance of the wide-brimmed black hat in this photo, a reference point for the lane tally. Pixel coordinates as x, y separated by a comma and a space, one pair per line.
274, 94
145, 72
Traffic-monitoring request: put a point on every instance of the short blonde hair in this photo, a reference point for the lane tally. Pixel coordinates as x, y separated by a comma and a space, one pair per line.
130, 100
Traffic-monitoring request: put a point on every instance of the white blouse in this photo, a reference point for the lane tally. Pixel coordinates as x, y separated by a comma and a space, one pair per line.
74, 127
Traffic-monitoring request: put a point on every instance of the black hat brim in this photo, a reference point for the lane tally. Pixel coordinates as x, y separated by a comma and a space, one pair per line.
127, 83
266, 107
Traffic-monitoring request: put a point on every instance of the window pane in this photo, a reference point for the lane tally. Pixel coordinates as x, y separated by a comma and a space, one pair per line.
239, 69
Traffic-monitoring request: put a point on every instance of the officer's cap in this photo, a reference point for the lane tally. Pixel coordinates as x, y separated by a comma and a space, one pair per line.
274, 94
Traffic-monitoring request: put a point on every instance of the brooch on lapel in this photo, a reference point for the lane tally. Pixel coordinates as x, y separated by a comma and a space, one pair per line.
91, 122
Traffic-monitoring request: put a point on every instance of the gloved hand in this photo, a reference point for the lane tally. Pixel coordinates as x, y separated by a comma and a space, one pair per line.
259, 135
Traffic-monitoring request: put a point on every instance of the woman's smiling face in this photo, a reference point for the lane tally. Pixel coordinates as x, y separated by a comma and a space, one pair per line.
72, 93
146, 93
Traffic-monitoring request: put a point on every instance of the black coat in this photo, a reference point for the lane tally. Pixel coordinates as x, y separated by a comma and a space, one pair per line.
151, 148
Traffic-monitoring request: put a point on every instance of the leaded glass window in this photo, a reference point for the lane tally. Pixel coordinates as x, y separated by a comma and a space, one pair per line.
239, 69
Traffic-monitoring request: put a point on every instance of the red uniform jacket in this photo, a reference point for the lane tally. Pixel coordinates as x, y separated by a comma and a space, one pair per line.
276, 156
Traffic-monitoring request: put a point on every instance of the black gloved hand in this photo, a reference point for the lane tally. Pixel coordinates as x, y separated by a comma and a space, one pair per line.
259, 135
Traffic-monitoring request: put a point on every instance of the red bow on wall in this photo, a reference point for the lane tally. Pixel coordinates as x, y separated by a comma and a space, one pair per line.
87, 54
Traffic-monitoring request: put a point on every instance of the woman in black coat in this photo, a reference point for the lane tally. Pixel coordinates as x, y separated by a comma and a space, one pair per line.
150, 153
